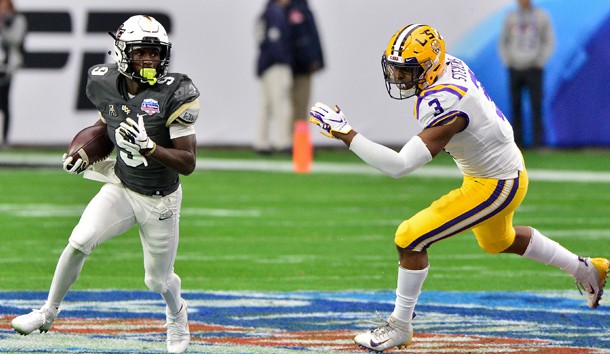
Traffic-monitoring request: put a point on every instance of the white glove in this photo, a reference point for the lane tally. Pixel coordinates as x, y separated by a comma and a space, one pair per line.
73, 168
330, 120
127, 142
123, 142
136, 133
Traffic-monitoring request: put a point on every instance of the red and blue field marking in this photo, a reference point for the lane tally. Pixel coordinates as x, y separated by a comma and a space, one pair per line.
276, 322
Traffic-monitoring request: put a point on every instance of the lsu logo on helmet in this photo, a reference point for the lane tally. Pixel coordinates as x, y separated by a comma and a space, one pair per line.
413, 60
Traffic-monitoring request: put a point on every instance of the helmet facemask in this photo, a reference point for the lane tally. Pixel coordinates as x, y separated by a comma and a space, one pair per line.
147, 75
141, 33
413, 60
402, 80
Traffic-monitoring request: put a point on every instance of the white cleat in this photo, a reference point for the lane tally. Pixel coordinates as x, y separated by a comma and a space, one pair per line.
388, 335
591, 277
37, 319
178, 335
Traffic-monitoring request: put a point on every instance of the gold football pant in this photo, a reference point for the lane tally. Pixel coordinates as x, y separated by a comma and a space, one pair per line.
484, 205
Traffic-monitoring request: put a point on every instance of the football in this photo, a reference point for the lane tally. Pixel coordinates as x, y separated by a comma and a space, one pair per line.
91, 144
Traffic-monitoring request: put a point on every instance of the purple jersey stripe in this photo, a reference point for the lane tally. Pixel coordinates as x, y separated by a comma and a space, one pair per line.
449, 118
459, 91
444, 120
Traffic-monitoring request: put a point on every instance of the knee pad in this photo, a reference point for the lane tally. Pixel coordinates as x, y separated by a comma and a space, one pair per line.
82, 238
490, 250
159, 286
401, 237
494, 248
494, 245
154, 284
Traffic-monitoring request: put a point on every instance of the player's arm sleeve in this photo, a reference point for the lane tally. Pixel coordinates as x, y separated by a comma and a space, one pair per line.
186, 114
396, 164
182, 122
179, 130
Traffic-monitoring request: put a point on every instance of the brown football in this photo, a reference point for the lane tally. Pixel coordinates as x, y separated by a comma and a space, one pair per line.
91, 144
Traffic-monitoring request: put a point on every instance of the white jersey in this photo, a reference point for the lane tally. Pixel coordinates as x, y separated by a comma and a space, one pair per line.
486, 147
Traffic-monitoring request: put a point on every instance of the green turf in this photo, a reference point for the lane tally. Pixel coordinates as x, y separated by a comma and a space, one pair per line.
282, 231
565, 159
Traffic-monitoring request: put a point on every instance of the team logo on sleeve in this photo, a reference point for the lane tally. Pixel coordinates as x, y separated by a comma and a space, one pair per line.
112, 111
150, 106
188, 117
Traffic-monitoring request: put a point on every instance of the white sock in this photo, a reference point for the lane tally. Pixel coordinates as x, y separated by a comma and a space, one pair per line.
172, 295
547, 251
68, 269
408, 288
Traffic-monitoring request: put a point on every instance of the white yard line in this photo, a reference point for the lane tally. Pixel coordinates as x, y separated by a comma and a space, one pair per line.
362, 168
323, 167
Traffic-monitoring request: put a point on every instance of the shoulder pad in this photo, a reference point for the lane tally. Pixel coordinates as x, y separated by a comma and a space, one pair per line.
188, 113
186, 91
101, 70
436, 101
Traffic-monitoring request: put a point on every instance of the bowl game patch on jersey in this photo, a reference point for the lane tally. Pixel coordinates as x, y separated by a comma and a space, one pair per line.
150, 106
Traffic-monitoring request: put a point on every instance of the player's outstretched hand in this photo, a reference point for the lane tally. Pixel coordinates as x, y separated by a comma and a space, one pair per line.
73, 167
329, 120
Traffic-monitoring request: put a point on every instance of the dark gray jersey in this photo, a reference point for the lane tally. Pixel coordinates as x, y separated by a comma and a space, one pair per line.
161, 105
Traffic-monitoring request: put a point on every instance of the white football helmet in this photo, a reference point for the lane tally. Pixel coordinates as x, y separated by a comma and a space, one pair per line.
137, 32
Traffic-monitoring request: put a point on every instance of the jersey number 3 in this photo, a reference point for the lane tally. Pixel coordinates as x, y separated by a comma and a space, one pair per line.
438, 109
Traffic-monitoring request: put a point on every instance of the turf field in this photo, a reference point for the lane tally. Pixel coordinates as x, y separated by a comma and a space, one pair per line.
267, 230
250, 225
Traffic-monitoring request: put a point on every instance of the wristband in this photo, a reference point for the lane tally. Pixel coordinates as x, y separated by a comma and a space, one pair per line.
152, 150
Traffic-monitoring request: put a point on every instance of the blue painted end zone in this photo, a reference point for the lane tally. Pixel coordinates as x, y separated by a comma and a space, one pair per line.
241, 318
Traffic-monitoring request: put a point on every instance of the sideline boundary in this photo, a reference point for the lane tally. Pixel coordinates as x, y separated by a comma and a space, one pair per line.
46, 161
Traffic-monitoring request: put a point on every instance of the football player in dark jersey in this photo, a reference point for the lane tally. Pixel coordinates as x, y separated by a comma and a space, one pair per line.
150, 115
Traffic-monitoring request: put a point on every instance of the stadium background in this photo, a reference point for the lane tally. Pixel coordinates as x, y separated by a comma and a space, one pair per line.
258, 249
214, 43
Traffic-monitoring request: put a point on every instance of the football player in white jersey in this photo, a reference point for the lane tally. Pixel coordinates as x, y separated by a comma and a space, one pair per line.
459, 117
149, 115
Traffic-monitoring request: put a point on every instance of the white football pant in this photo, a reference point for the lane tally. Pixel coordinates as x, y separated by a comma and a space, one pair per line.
114, 210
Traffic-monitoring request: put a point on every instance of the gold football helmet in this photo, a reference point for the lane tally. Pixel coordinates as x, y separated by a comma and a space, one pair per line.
413, 60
